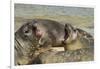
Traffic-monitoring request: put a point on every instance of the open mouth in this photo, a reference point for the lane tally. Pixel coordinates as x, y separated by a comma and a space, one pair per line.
66, 34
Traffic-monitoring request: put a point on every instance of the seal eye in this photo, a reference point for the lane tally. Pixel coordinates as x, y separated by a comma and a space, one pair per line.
26, 31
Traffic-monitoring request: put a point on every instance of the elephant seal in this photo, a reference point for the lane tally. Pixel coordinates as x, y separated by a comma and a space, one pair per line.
76, 38
34, 35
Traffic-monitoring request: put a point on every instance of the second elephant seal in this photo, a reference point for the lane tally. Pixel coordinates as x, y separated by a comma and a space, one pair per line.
76, 38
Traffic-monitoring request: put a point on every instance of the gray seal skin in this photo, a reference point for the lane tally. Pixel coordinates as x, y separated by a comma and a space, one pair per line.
76, 38
35, 34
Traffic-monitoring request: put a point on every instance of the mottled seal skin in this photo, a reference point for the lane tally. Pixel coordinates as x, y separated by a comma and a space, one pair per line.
76, 38
84, 54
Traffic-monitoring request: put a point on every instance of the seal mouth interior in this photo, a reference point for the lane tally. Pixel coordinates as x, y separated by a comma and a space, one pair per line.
66, 34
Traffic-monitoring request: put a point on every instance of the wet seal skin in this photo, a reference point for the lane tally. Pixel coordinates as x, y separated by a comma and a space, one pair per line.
76, 38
